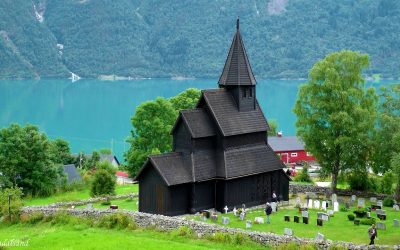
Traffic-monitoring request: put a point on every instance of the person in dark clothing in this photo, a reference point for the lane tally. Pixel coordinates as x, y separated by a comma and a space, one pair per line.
372, 234
268, 211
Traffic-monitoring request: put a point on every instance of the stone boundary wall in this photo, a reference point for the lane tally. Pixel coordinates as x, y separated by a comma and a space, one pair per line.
167, 223
87, 201
303, 188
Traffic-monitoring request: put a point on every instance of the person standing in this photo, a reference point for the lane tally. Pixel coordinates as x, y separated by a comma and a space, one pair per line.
268, 211
372, 234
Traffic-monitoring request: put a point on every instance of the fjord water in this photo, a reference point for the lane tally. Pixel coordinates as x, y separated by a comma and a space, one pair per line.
94, 114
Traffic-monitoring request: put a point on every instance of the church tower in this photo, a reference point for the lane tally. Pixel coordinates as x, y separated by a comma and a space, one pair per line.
237, 76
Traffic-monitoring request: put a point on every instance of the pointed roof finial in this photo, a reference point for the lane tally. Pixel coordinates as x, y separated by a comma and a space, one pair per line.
237, 23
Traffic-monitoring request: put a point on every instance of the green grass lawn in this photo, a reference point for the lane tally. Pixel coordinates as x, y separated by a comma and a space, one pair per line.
45, 236
338, 228
77, 195
122, 204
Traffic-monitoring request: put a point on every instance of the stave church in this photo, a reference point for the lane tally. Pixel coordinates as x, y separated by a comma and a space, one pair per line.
221, 155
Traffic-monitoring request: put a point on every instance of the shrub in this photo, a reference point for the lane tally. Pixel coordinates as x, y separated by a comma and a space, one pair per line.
337, 247
183, 231
106, 203
351, 217
294, 246
222, 237
343, 209
388, 202
367, 221
360, 213
117, 220
303, 176
358, 181
387, 183
13, 213
62, 218
240, 239
103, 183
35, 218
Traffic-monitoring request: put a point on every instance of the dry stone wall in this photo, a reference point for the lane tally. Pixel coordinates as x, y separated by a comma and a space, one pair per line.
200, 228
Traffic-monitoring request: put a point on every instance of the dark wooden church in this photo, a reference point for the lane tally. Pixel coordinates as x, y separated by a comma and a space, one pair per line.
220, 153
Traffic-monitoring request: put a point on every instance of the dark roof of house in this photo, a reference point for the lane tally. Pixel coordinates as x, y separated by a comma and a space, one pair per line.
285, 143
72, 173
198, 122
256, 159
171, 167
229, 119
237, 69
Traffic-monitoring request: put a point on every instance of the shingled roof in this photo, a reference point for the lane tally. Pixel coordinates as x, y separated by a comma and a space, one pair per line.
171, 167
237, 69
285, 143
228, 118
198, 122
244, 161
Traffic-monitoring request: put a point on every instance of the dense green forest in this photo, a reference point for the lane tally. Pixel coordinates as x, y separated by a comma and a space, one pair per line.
153, 38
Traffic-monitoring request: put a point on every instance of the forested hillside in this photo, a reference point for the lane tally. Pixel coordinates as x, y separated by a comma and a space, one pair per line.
164, 38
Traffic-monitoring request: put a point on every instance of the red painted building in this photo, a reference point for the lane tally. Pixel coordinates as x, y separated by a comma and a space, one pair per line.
289, 148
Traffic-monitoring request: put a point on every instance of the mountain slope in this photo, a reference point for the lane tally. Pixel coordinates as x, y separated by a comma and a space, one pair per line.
284, 38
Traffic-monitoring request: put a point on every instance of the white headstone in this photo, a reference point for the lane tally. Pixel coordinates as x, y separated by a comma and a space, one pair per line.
273, 206
379, 203
242, 216
259, 220
381, 225
325, 217
323, 205
316, 204
235, 211
248, 224
353, 197
203, 218
372, 199
226, 209
225, 221
319, 237
336, 206
396, 207
304, 214
288, 231
310, 203
334, 198
330, 212
361, 202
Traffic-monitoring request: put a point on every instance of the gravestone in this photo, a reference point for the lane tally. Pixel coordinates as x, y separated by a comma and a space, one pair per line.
287, 218
316, 204
305, 220
273, 206
396, 207
333, 198
325, 217
214, 217
310, 203
330, 212
89, 206
395, 223
248, 224
379, 203
234, 211
319, 222
225, 221
381, 225
336, 206
323, 206
242, 215
304, 214
319, 237
353, 198
259, 220
203, 218
288, 232
296, 219
372, 199
381, 214
375, 207
361, 202
368, 215
226, 209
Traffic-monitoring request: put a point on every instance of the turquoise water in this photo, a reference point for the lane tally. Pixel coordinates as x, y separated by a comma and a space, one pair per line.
93, 114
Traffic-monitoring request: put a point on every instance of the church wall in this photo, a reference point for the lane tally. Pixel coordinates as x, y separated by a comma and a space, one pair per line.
245, 139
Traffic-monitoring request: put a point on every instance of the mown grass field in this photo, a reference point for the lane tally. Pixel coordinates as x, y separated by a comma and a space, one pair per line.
338, 228
47, 236
77, 195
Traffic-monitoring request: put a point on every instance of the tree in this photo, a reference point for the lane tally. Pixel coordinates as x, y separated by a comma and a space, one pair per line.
15, 195
152, 123
26, 162
273, 127
103, 183
395, 164
60, 152
335, 114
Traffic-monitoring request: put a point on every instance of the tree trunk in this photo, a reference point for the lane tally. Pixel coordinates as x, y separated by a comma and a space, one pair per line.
334, 182
397, 192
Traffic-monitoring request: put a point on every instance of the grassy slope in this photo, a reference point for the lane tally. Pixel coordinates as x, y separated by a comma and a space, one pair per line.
44, 236
76, 195
338, 228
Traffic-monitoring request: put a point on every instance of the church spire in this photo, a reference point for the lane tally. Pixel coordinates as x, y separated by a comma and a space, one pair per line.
237, 69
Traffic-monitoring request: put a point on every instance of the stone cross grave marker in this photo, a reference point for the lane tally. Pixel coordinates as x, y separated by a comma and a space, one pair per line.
226, 209
381, 225
372, 199
235, 211
323, 207
316, 204
396, 207
288, 231
319, 237
310, 201
225, 220
259, 220
396, 223
248, 224
273, 206
361, 202
336, 206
